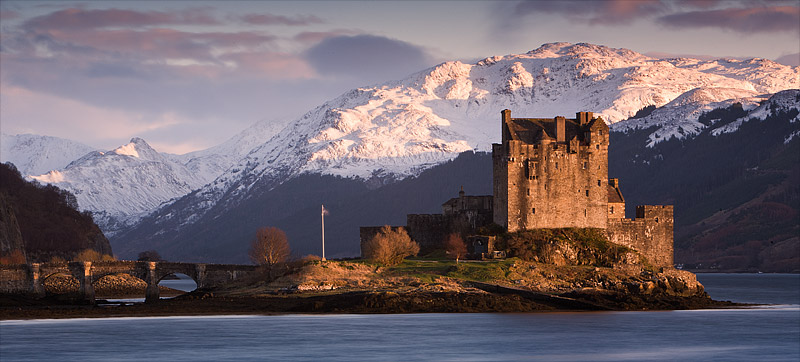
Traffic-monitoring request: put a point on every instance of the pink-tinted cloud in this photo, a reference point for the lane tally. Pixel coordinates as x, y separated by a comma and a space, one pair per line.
743, 20
162, 43
272, 65
8, 14
313, 37
596, 12
271, 19
78, 18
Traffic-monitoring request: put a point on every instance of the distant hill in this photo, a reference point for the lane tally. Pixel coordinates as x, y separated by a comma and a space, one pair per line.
735, 185
45, 218
294, 206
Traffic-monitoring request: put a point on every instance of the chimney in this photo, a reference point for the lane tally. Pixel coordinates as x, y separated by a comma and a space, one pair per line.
584, 117
505, 115
461, 193
560, 129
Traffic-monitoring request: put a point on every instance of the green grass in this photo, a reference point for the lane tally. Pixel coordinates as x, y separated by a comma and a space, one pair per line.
430, 271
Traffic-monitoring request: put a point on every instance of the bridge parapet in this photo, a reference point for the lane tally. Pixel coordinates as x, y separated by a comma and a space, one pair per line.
29, 278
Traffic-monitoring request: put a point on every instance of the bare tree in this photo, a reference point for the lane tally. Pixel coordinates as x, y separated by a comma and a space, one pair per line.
390, 247
270, 247
455, 247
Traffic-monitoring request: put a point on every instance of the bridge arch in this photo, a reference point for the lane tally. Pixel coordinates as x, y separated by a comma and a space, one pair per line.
28, 278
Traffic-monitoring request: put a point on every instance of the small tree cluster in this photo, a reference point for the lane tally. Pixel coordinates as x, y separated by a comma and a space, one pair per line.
390, 247
455, 247
270, 247
14, 257
149, 255
92, 255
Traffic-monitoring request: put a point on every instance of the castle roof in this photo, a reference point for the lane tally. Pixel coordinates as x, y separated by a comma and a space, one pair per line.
535, 130
615, 195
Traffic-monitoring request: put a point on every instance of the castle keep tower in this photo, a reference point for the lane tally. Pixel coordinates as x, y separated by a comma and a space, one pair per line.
551, 173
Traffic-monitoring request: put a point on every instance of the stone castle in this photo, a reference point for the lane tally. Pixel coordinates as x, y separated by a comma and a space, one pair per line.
550, 173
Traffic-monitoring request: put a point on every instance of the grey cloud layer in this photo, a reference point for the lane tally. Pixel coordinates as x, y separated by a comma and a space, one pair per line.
743, 16
367, 56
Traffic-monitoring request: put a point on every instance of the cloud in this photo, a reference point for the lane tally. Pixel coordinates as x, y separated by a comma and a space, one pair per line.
271, 64
748, 17
596, 12
789, 59
78, 18
270, 19
9, 14
312, 37
368, 57
743, 20
25, 111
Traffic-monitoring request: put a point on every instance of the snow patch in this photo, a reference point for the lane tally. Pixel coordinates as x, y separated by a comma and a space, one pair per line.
127, 150
52, 177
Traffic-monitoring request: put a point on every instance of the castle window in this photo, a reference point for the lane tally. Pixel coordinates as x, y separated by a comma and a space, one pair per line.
599, 183
529, 192
612, 209
533, 211
556, 165
584, 212
656, 219
587, 193
585, 165
597, 146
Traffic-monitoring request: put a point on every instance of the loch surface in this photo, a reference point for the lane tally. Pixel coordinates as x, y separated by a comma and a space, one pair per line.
766, 333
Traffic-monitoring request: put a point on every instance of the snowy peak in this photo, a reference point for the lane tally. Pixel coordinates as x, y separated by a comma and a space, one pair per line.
138, 148
130, 180
34, 154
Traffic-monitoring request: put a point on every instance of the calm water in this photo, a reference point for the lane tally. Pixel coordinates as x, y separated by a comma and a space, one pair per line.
758, 334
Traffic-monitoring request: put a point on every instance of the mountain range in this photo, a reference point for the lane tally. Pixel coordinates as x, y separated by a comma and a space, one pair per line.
375, 137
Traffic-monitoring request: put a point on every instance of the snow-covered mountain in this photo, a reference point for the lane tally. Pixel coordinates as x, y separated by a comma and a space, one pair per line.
35, 155
127, 181
400, 127
397, 129
120, 185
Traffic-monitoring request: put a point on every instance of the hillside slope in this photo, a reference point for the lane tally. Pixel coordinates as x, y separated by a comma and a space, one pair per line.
47, 219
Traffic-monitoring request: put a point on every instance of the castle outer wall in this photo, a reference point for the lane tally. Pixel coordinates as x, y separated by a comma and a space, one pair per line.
650, 233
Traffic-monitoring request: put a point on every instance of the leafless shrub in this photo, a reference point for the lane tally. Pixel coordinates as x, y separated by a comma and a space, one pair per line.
270, 247
455, 247
390, 247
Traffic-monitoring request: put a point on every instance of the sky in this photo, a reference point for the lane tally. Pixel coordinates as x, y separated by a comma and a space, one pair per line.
188, 75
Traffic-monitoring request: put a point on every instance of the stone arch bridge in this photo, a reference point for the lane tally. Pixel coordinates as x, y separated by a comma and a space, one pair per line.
29, 278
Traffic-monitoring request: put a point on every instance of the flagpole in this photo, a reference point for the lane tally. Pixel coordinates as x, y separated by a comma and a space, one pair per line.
322, 215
